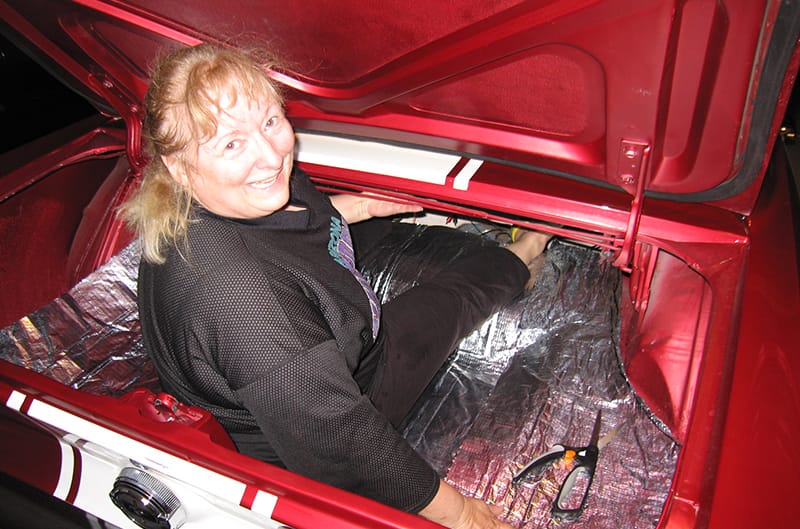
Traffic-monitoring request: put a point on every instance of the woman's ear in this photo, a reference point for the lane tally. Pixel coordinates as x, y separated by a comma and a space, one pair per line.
176, 168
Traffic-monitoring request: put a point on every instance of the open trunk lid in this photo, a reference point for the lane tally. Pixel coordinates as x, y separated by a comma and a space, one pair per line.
669, 98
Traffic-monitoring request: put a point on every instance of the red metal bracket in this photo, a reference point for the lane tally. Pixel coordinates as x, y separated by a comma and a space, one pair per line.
632, 167
132, 114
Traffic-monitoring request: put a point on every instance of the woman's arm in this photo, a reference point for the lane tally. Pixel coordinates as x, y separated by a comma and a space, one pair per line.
451, 509
355, 208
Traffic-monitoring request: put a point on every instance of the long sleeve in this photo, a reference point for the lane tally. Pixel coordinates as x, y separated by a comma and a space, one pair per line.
265, 329
274, 348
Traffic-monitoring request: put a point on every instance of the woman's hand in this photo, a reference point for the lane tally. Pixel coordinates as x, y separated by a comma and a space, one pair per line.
479, 515
451, 509
386, 208
355, 208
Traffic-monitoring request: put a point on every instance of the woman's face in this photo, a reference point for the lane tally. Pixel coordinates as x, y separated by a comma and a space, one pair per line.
243, 170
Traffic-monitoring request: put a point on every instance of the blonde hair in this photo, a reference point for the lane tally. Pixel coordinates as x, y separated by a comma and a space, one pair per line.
182, 104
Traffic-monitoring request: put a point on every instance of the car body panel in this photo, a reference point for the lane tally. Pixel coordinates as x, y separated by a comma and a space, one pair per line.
84, 435
643, 128
560, 86
765, 395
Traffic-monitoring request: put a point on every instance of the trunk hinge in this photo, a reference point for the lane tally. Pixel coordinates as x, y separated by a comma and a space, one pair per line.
131, 113
632, 175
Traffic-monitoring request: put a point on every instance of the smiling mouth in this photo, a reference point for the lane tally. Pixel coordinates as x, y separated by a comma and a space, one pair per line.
266, 183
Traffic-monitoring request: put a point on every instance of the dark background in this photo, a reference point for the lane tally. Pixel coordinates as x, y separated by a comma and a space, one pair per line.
32, 102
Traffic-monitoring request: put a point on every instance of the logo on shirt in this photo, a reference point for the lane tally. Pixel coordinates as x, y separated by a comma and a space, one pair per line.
340, 247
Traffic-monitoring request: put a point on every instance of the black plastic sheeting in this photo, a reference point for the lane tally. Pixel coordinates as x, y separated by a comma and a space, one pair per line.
534, 375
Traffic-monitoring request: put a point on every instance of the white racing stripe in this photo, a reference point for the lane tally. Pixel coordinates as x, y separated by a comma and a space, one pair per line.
15, 400
462, 179
376, 158
264, 503
222, 487
67, 472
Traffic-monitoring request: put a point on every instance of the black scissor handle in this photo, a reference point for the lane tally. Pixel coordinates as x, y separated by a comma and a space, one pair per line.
566, 506
535, 467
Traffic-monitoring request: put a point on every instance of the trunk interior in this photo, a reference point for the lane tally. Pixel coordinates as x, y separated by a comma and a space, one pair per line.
587, 341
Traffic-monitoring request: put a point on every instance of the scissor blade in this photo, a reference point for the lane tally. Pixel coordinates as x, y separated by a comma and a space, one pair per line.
608, 437
596, 430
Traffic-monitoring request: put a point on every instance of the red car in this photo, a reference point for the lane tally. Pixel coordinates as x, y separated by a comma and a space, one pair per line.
660, 340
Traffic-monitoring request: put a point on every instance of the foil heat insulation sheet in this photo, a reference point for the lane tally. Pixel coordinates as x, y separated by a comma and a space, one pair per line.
533, 376
88, 338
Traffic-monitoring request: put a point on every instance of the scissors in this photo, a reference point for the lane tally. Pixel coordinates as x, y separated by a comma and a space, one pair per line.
583, 461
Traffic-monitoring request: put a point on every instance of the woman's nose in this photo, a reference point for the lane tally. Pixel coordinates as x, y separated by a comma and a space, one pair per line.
267, 155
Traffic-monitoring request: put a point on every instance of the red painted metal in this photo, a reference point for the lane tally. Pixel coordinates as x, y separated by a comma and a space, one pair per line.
677, 75
709, 339
31, 454
757, 451
303, 503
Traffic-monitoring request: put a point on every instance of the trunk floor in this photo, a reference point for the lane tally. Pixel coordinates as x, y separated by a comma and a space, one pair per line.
534, 375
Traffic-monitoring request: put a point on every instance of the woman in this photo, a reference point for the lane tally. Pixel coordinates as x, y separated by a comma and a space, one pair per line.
252, 307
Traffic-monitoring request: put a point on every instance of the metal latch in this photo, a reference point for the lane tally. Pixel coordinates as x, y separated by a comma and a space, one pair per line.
631, 173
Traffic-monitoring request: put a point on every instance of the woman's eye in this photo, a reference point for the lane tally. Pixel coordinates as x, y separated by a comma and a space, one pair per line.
272, 122
231, 145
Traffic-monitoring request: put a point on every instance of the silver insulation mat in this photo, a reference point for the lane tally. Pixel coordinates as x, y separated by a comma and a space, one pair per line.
89, 338
532, 376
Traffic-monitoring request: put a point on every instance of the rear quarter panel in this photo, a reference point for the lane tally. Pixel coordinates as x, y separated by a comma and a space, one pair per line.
758, 469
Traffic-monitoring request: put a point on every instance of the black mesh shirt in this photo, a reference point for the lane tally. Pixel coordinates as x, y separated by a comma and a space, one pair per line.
257, 322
